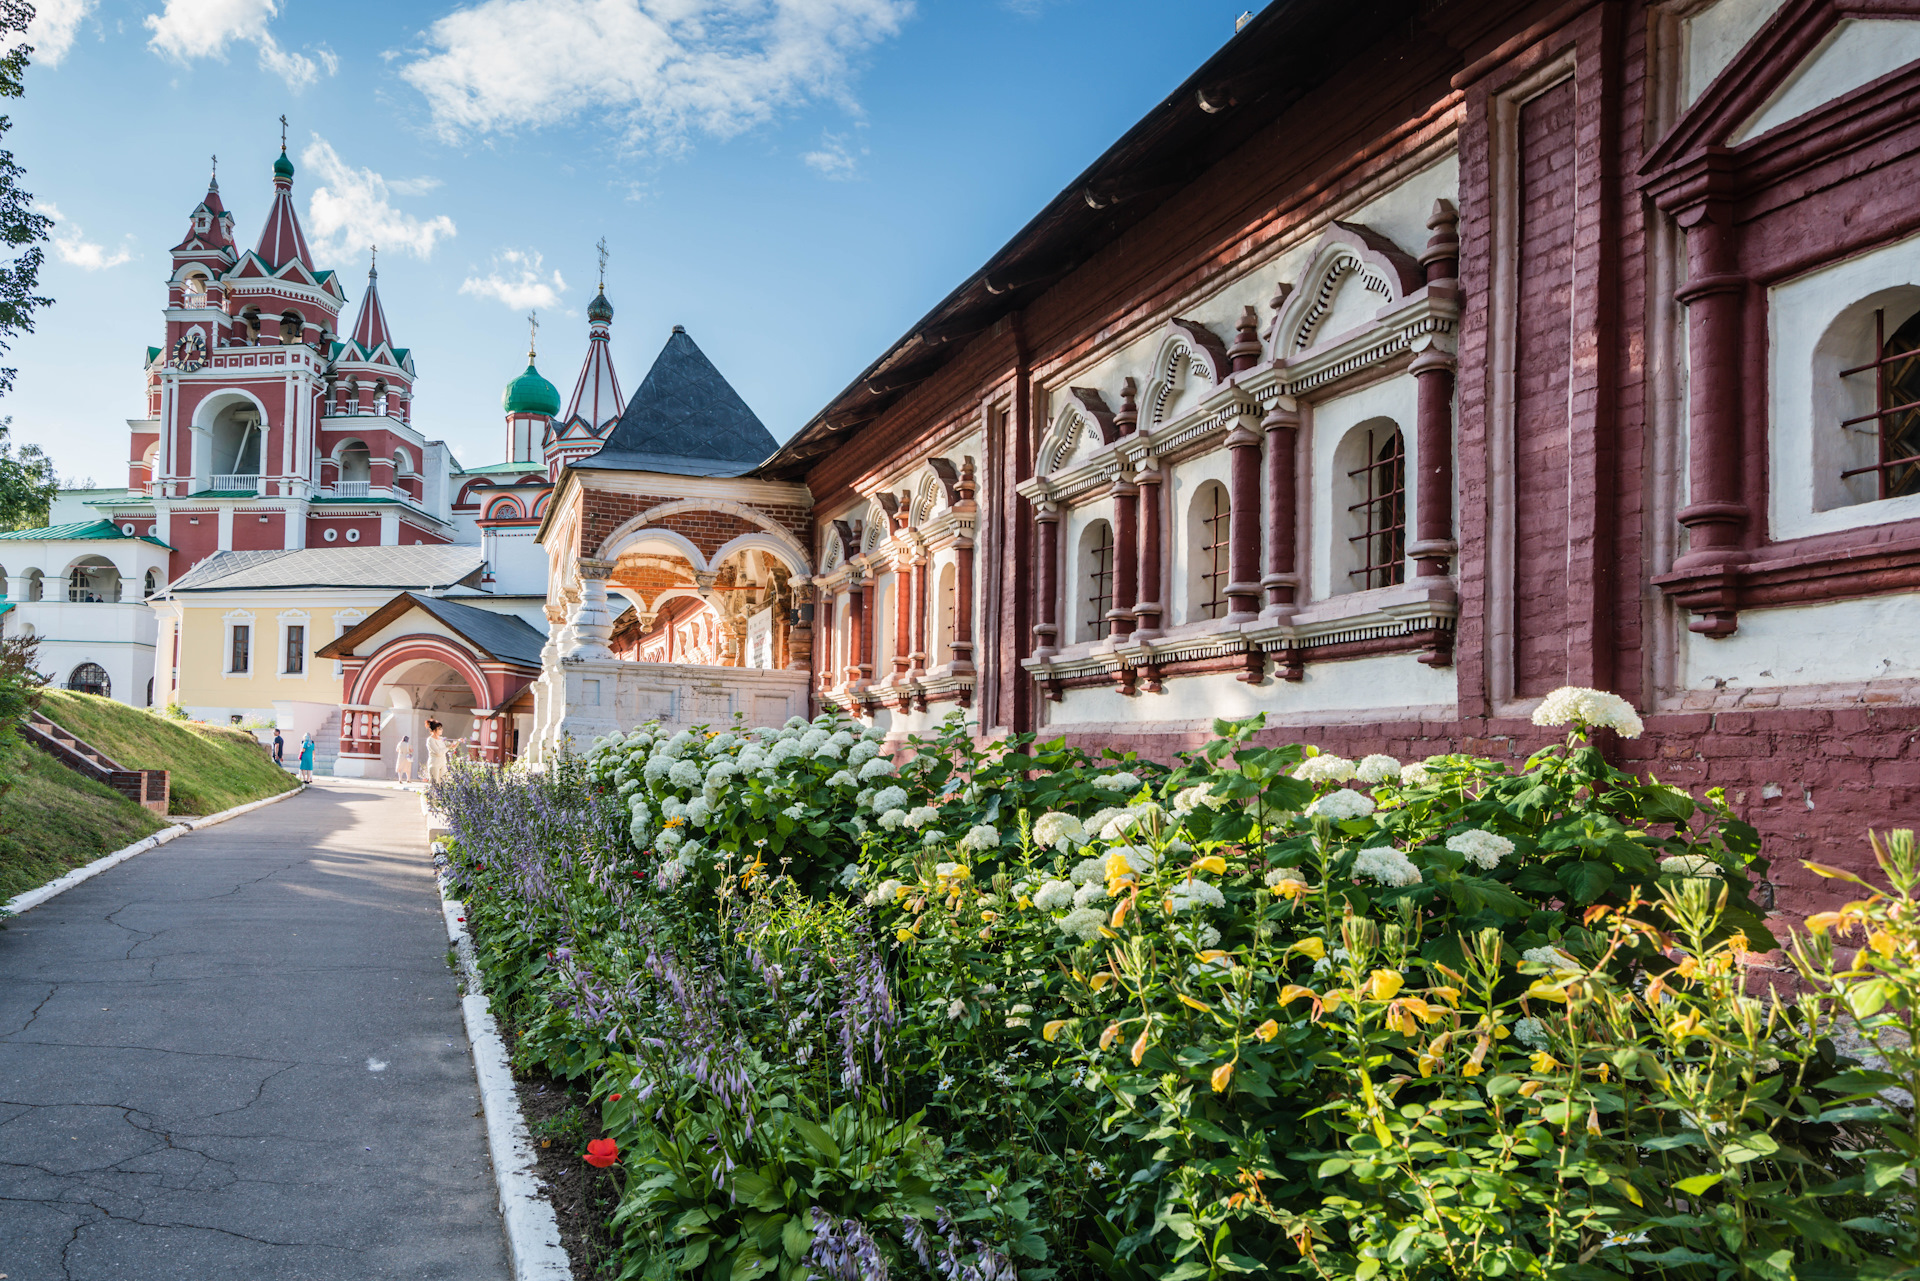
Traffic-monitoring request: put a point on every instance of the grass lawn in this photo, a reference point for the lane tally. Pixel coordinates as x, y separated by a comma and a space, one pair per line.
213, 767
52, 820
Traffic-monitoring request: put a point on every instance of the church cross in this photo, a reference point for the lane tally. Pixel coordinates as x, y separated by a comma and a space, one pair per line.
533, 332
602, 248
283, 133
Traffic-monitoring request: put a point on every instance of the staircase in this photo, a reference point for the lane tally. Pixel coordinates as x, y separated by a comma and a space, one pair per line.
144, 787
326, 744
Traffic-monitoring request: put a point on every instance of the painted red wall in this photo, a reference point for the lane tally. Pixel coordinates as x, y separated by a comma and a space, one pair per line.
369, 527
253, 534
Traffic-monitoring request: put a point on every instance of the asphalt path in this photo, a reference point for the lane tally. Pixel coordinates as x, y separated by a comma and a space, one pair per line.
241, 1055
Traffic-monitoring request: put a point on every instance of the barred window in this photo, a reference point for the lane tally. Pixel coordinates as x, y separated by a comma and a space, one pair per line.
1374, 460
1895, 419
90, 678
1210, 527
1096, 569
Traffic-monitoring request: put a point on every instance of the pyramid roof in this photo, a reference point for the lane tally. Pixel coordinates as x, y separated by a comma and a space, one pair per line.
686, 420
371, 329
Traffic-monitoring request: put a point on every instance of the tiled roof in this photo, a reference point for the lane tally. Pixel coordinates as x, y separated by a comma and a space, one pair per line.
504, 636
102, 530
419, 566
492, 469
685, 420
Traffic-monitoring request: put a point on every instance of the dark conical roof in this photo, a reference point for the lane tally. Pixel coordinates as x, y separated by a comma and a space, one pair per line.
686, 420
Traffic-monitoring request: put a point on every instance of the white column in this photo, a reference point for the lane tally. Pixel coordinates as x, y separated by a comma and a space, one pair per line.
225, 537
389, 528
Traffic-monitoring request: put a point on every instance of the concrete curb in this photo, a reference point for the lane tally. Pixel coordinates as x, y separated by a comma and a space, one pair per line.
35, 897
533, 1233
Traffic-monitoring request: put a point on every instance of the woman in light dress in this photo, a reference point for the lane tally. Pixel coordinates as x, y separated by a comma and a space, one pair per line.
439, 749
403, 760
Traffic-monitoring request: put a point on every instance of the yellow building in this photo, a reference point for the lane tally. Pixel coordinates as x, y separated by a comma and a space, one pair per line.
237, 633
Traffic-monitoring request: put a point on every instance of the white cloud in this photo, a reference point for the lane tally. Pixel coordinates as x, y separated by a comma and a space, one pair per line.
71, 246
54, 26
349, 208
664, 69
189, 29
517, 281
833, 159
413, 186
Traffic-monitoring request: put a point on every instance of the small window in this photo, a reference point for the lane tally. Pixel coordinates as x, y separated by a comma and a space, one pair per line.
296, 650
90, 678
241, 657
1096, 573
1211, 531
1371, 475
1895, 420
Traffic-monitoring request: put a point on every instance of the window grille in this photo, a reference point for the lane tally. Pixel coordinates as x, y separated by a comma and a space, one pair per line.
1381, 513
90, 678
296, 650
1100, 575
1212, 554
1896, 416
242, 634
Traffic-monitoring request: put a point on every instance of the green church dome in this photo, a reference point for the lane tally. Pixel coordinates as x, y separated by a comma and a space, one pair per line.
283, 167
531, 394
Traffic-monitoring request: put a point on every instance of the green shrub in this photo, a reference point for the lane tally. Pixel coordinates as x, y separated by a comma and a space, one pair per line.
1008, 1008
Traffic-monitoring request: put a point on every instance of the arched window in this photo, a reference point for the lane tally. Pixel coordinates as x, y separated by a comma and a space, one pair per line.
153, 582
504, 509
1894, 421
36, 585
1209, 534
194, 289
1370, 509
290, 327
93, 581
1096, 580
90, 678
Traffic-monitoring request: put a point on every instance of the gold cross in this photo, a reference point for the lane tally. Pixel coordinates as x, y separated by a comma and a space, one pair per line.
283, 133
533, 332
602, 247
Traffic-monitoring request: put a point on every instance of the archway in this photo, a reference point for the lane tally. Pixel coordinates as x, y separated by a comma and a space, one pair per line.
408, 683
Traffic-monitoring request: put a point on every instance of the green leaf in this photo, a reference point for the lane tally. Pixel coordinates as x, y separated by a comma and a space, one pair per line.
1699, 1183
1187, 1271
1750, 1147
821, 1141
1333, 1165
1585, 880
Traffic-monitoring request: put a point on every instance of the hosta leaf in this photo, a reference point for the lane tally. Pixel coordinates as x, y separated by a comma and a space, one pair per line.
1699, 1183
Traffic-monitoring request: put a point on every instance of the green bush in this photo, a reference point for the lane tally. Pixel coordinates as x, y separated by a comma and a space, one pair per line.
1010, 1010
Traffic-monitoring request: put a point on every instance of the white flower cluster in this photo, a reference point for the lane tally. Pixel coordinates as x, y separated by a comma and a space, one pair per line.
1340, 806
1386, 865
1578, 705
1280, 874
1189, 799
1553, 958
980, 837
1123, 781
1058, 831
1690, 865
1324, 768
1083, 923
1377, 769
1053, 896
1415, 775
1531, 1033
1483, 849
1186, 895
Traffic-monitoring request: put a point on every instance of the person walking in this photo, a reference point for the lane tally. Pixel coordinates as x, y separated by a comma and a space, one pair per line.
279, 748
403, 760
306, 759
439, 749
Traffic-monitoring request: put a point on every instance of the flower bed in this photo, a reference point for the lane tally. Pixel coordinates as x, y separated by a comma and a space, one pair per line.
1015, 1011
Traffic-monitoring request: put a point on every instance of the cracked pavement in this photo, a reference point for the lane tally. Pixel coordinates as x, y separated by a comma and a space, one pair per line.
188, 1051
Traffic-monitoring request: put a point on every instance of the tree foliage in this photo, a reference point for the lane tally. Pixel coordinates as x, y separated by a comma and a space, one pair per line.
21, 227
27, 483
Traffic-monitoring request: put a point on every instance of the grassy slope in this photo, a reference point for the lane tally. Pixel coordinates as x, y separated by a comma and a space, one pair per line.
52, 820
213, 767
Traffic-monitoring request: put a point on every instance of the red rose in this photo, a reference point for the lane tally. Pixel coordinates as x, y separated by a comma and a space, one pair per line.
602, 1153
613, 1098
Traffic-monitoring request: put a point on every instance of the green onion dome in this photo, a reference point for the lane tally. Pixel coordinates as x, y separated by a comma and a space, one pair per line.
531, 394
600, 311
283, 167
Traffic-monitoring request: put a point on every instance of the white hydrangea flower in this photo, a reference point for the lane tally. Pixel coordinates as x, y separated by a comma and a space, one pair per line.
892, 819
1187, 800
796, 811
1280, 874
796, 722
885, 892
751, 758
1386, 865
1089, 869
844, 778
1532, 1033
1339, 806
673, 807
639, 829
698, 811
1484, 849
1090, 893
878, 767
1336, 957
980, 837
721, 742
1690, 865
1122, 781
668, 840
1083, 923
1058, 831
1553, 958
1102, 817
680, 742
932, 836
785, 750
1188, 894
811, 740
850, 876
1324, 768
862, 752
841, 739
1415, 775
1053, 896
921, 815
657, 768
685, 774
1576, 704
1377, 769
1139, 857
890, 798
827, 752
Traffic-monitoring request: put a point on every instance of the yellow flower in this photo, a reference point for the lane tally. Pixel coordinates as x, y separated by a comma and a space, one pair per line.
1821, 922
1212, 863
1099, 980
987, 933
1140, 1047
1330, 1000
1201, 1006
1120, 913
1289, 888
903, 935
1209, 956
1313, 949
1052, 1028
1530, 1088
1604, 1071
1386, 984
1293, 992
1223, 1076
1544, 1062
1267, 1031
1548, 992
989, 916
1106, 1037
1024, 902
1593, 1119
1451, 995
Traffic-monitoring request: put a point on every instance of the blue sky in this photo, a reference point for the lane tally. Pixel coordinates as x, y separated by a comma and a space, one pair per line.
796, 181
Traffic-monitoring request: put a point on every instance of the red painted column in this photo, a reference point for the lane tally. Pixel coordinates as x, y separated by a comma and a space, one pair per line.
1152, 608
1433, 545
1282, 580
919, 627
1716, 519
1046, 519
1243, 530
856, 628
963, 606
903, 593
1126, 557
864, 615
828, 637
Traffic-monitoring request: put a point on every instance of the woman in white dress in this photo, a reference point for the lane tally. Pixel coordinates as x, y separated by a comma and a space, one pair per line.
439, 749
